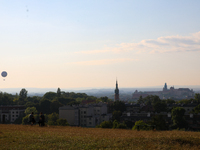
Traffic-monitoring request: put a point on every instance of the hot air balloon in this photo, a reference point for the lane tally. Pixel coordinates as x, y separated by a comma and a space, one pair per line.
4, 74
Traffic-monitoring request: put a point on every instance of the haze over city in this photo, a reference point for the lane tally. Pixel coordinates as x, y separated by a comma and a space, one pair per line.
90, 44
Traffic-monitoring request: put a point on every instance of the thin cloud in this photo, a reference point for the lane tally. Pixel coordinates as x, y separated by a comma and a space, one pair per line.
102, 62
159, 45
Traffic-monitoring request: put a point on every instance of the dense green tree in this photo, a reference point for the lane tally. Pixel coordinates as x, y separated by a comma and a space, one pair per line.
79, 99
169, 101
23, 94
50, 95
73, 103
55, 104
197, 97
117, 106
34, 99
65, 100
158, 122
52, 119
178, 118
116, 115
58, 92
140, 100
29, 110
197, 109
105, 99
149, 100
30, 104
185, 101
45, 106
160, 106
6, 99
22, 97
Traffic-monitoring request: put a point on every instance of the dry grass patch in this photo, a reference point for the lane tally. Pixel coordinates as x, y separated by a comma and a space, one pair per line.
54, 137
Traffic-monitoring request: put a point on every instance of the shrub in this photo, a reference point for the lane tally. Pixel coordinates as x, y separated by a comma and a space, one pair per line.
105, 124
121, 126
62, 122
142, 125
25, 120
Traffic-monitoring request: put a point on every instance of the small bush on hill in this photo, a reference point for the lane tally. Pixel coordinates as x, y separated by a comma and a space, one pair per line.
141, 125
105, 124
62, 122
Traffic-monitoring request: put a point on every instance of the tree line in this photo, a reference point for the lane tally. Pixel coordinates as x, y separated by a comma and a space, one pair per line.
50, 102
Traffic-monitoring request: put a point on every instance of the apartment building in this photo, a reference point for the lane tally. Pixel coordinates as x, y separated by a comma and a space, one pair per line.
10, 113
89, 115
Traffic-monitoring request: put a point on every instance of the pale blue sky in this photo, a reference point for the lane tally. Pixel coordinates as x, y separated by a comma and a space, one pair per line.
90, 43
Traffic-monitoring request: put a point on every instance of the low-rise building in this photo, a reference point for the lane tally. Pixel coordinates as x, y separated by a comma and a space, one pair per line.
9, 113
89, 115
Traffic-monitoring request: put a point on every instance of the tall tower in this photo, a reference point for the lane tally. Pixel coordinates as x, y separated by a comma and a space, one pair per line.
165, 87
116, 92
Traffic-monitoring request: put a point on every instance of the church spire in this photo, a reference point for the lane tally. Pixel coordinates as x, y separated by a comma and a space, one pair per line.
165, 87
116, 92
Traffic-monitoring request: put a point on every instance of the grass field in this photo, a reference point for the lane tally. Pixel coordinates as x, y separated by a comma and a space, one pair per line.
54, 137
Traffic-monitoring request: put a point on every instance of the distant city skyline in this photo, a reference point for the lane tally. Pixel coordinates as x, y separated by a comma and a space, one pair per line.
87, 44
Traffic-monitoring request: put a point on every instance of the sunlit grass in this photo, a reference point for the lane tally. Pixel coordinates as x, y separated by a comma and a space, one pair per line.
54, 137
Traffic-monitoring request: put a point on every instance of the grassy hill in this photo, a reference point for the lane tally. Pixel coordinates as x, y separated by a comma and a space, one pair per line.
54, 137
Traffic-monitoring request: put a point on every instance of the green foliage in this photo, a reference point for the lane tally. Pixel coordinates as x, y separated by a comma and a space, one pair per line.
121, 126
142, 125
116, 115
169, 101
129, 124
62, 122
23, 94
52, 119
29, 110
160, 106
55, 104
105, 124
6, 99
73, 103
178, 118
25, 120
197, 97
50, 95
185, 101
104, 99
149, 100
115, 124
159, 122
65, 100
117, 106
58, 92
45, 106
30, 104
197, 109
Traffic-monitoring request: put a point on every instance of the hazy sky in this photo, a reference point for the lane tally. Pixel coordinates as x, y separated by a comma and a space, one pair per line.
88, 43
